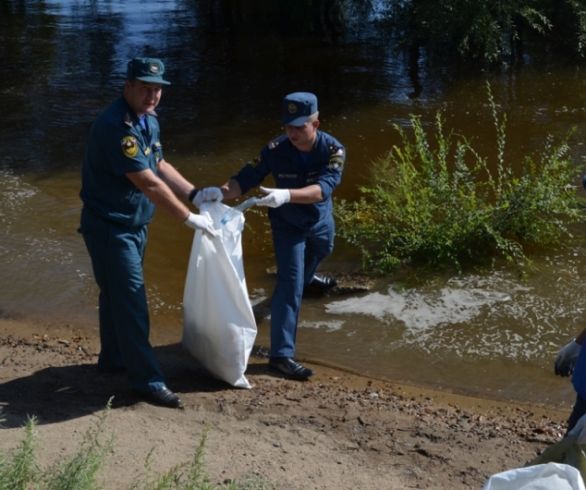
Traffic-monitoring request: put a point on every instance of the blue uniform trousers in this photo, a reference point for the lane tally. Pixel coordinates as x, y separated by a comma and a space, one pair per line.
117, 254
298, 252
578, 411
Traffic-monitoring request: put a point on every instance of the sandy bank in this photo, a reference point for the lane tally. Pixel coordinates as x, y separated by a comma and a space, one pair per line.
338, 431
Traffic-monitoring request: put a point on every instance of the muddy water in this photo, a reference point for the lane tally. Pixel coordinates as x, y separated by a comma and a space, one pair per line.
486, 333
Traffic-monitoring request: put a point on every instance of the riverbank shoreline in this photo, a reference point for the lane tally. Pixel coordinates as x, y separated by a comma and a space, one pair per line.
340, 430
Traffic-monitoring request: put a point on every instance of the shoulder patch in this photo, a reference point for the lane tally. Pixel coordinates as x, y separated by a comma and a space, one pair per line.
337, 157
129, 146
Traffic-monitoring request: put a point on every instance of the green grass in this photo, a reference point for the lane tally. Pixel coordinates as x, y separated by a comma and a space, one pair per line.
433, 200
81, 470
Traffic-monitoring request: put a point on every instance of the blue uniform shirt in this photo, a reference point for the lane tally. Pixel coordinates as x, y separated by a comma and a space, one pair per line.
579, 376
293, 169
118, 144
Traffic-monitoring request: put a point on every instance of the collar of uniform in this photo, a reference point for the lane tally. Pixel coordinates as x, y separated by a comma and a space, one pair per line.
130, 117
313, 147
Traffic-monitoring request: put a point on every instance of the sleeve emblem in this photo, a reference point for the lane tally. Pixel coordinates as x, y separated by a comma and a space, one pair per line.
129, 146
337, 157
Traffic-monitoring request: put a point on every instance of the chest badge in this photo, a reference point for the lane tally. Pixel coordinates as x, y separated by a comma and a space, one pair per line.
129, 146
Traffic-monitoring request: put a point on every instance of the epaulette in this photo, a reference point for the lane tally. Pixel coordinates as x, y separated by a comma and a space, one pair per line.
336, 150
128, 119
276, 142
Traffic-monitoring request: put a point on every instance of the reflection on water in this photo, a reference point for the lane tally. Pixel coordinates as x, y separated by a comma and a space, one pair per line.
492, 333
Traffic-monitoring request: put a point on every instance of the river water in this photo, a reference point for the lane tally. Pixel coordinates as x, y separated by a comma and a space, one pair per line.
487, 333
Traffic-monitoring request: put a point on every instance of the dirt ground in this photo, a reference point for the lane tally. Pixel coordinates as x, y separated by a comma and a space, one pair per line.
337, 431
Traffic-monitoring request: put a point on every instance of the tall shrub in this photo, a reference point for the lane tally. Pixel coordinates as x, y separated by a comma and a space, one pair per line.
433, 199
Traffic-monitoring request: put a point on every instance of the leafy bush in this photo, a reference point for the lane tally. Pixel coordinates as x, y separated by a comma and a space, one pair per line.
443, 204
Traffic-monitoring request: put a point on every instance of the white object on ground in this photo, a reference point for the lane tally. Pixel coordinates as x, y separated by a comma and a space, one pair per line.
549, 476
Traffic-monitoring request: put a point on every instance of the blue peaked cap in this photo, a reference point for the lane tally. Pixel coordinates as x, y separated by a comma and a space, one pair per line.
297, 108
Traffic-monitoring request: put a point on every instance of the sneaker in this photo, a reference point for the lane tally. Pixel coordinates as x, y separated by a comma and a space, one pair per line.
290, 368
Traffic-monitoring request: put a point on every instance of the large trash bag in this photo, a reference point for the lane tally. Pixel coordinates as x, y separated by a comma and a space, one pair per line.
548, 476
219, 328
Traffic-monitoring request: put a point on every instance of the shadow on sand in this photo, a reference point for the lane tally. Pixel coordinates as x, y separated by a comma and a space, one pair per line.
62, 393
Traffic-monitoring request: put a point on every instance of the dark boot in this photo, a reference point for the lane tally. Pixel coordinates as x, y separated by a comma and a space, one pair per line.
320, 285
290, 368
163, 397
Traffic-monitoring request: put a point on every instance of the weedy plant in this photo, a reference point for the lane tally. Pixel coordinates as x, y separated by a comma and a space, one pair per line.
80, 470
192, 476
434, 200
20, 471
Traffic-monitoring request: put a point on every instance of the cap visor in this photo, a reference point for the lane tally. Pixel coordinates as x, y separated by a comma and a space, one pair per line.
156, 80
300, 121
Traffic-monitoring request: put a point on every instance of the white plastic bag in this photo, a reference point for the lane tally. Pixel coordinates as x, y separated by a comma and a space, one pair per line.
218, 322
549, 476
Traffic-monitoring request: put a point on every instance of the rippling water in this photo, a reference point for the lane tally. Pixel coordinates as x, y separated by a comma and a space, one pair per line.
485, 333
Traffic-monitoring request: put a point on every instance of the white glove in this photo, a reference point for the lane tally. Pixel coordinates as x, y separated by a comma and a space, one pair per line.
274, 197
566, 359
200, 222
207, 194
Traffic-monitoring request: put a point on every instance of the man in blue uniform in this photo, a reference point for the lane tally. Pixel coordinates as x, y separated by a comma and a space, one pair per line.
124, 176
306, 165
571, 361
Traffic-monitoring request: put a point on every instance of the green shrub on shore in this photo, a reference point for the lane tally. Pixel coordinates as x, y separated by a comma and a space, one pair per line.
20, 471
438, 202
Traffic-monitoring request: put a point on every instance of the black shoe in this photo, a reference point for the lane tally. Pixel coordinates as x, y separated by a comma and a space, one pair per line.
163, 397
320, 284
290, 368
